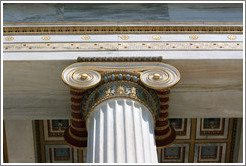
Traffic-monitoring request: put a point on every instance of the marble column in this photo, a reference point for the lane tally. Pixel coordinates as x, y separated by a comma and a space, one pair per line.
121, 130
124, 104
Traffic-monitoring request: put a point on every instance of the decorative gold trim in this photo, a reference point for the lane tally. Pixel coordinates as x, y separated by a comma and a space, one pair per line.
173, 83
78, 120
74, 103
71, 72
45, 38
120, 59
162, 119
162, 127
77, 90
76, 97
124, 37
164, 103
83, 76
77, 128
124, 30
164, 90
161, 147
157, 37
118, 96
156, 76
85, 37
124, 46
163, 111
86, 77
9, 38
75, 111
76, 137
160, 137
232, 37
193, 37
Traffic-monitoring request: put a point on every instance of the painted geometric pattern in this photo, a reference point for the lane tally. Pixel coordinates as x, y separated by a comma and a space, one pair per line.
203, 140
61, 154
182, 127
176, 153
124, 46
210, 152
54, 129
212, 128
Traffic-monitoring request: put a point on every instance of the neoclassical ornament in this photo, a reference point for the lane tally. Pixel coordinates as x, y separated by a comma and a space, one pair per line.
160, 79
121, 89
80, 78
124, 37
232, 37
45, 38
85, 37
122, 30
193, 37
157, 37
9, 38
94, 80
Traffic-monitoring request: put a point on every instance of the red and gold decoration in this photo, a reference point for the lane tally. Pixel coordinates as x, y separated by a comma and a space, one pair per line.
95, 79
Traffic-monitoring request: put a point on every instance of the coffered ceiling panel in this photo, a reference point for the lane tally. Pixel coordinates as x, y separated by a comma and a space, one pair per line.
202, 140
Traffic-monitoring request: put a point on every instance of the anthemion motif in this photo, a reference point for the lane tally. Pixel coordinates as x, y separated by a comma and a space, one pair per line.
117, 101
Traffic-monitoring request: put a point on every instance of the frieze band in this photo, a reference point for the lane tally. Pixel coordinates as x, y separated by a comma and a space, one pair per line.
123, 46
122, 30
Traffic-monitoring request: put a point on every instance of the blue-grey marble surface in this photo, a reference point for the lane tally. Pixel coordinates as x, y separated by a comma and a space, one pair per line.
75, 12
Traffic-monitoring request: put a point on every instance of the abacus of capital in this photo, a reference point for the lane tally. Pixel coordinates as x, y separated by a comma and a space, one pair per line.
119, 107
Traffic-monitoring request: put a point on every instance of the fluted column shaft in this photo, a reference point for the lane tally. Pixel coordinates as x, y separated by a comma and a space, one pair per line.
121, 130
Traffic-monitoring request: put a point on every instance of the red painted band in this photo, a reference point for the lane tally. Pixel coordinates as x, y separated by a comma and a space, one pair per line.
166, 99
163, 115
78, 133
161, 123
163, 92
164, 107
162, 132
78, 124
